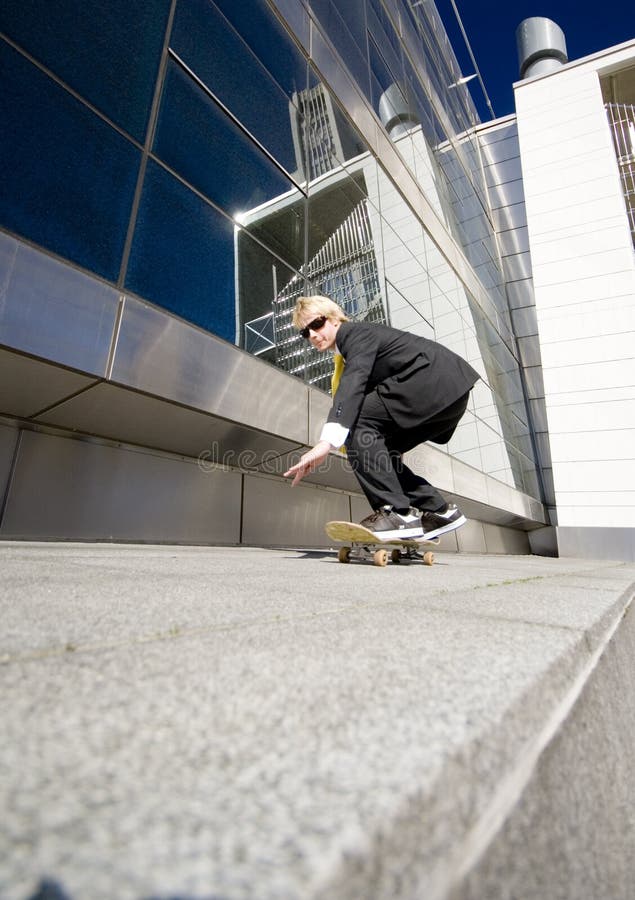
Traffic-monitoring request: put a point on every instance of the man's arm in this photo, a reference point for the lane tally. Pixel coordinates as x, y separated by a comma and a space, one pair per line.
308, 462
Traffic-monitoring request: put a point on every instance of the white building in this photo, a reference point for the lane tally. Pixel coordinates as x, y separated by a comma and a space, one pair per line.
573, 237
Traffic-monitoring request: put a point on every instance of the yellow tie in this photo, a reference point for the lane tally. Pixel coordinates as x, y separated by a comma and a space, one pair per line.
338, 359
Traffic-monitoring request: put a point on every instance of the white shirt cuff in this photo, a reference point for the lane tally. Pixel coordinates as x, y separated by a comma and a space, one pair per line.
334, 433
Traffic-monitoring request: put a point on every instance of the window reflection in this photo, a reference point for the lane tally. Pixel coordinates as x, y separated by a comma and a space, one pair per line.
204, 39
182, 254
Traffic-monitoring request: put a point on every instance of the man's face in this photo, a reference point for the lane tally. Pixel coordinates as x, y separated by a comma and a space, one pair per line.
322, 330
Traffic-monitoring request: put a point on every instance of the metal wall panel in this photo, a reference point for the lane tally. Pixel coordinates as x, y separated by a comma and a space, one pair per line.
276, 514
541, 426
505, 217
503, 172
513, 241
525, 321
529, 350
28, 386
488, 135
319, 407
471, 538
169, 358
65, 488
469, 482
120, 414
505, 540
508, 195
434, 464
502, 150
512, 216
517, 267
8, 440
535, 383
597, 543
294, 14
521, 293
54, 311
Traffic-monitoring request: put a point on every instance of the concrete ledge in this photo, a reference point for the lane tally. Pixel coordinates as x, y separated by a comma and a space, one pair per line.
239, 723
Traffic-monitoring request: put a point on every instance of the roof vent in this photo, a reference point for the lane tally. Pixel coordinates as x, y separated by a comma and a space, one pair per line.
541, 47
396, 111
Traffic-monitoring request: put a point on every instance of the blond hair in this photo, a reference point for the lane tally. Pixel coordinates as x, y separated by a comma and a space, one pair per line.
317, 306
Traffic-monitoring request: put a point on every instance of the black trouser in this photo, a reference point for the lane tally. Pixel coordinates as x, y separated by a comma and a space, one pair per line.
375, 446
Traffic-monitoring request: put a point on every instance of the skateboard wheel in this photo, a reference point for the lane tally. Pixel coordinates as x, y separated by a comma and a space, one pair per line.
396, 555
428, 558
344, 554
380, 557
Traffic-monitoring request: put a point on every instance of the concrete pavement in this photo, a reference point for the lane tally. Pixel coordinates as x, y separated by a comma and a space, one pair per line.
195, 722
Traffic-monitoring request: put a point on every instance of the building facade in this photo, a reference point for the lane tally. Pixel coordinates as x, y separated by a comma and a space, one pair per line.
176, 173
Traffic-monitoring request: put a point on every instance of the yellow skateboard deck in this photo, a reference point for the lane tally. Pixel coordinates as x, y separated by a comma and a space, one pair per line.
365, 544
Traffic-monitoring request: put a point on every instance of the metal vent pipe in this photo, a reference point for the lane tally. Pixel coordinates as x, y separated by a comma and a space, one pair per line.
541, 47
396, 113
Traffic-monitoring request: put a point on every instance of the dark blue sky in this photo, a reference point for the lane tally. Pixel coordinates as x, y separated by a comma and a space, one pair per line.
491, 29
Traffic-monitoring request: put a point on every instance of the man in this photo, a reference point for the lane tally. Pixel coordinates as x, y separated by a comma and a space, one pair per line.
397, 390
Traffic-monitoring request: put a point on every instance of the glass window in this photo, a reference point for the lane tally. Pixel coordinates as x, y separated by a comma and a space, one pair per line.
206, 42
182, 255
326, 139
261, 31
345, 25
108, 52
261, 277
197, 139
68, 178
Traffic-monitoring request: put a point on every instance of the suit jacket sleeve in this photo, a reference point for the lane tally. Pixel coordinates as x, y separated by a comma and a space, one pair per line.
359, 347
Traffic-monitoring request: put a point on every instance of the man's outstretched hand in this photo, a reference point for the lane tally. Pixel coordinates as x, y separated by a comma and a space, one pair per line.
309, 461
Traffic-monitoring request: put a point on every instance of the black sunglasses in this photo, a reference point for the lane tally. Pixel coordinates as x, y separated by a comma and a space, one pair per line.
315, 325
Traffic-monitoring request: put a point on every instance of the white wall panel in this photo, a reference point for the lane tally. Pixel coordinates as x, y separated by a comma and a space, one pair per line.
584, 350
584, 280
589, 263
597, 395
596, 287
608, 475
603, 316
553, 245
591, 445
580, 211
595, 417
590, 498
606, 516
590, 376
595, 188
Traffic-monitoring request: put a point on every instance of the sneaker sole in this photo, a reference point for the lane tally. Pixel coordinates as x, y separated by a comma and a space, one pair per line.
451, 526
400, 534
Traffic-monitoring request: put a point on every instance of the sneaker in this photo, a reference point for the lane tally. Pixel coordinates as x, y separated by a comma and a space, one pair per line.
389, 525
441, 521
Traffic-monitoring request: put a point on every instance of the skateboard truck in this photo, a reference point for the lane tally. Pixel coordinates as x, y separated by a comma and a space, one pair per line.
381, 555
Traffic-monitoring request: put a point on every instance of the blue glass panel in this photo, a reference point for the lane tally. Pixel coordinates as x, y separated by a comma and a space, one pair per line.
201, 142
183, 255
68, 178
262, 32
108, 52
207, 43
345, 26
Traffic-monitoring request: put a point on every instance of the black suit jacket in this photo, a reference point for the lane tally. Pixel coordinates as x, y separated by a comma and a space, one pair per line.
415, 377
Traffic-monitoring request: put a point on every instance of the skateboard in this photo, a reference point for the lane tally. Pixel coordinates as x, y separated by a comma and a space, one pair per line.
360, 543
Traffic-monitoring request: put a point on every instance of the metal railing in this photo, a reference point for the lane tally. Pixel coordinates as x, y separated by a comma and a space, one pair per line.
622, 121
